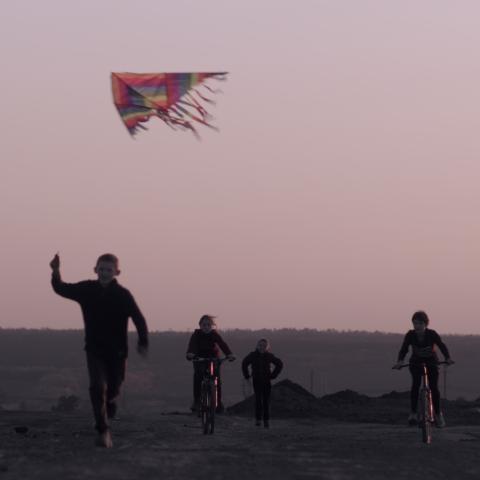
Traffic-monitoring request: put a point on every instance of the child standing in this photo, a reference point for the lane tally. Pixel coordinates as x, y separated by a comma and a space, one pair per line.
106, 307
206, 342
260, 361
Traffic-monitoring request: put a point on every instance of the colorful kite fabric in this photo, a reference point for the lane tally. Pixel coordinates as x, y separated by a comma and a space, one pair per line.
173, 97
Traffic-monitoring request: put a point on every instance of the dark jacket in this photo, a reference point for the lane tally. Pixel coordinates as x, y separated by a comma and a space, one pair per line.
207, 344
260, 363
106, 311
423, 351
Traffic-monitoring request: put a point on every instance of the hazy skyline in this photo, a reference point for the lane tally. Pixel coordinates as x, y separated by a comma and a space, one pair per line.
341, 191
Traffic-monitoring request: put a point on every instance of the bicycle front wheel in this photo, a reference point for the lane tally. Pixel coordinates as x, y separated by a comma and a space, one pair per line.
205, 405
208, 411
212, 421
426, 416
211, 410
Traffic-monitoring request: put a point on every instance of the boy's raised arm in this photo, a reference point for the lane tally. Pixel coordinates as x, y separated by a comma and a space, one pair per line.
55, 264
67, 290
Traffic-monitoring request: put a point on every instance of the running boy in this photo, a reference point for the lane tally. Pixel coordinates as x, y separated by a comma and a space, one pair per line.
206, 342
423, 341
106, 307
261, 360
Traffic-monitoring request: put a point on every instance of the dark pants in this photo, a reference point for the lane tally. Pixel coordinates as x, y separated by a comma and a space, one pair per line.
417, 372
106, 375
262, 391
198, 373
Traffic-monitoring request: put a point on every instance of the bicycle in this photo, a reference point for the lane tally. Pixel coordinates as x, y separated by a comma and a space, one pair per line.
425, 403
209, 392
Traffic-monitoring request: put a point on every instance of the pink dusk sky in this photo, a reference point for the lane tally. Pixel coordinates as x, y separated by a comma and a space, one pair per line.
341, 192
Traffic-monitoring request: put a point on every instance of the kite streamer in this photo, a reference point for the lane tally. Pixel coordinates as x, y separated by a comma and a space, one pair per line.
175, 98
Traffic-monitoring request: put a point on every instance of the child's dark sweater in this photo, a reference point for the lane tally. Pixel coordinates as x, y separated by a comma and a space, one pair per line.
423, 350
106, 311
260, 362
207, 344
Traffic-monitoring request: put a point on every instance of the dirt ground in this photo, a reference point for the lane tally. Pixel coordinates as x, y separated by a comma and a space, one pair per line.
172, 446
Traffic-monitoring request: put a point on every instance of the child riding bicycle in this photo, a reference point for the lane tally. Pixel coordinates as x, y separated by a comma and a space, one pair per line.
423, 341
206, 342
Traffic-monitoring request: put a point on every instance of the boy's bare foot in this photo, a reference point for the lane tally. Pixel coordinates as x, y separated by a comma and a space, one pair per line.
104, 439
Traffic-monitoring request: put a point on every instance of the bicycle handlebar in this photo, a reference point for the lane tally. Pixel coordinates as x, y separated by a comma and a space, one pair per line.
209, 359
417, 364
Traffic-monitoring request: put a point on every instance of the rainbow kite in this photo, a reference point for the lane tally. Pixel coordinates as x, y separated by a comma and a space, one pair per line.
173, 97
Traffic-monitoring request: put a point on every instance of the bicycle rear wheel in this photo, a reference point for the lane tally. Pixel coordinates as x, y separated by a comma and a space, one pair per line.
426, 416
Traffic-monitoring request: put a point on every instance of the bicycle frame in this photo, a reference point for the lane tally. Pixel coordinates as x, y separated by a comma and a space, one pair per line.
426, 415
209, 392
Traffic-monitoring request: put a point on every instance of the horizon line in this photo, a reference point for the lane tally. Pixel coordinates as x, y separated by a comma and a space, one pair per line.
250, 330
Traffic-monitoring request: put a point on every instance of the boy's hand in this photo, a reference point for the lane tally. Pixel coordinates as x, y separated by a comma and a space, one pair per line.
55, 263
142, 350
397, 366
449, 361
231, 358
190, 356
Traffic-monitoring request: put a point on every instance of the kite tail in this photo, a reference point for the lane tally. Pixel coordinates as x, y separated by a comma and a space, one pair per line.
201, 119
212, 90
194, 104
222, 76
178, 121
185, 124
205, 99
189, 126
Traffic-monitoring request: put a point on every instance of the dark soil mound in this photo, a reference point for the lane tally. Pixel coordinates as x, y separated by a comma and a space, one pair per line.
394, 395
288, 400
289, 386
344, 397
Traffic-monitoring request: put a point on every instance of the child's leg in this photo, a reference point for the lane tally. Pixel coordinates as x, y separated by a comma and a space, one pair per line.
97, 371
115, 378
258, 389
267, 389
198, 371
416, 372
